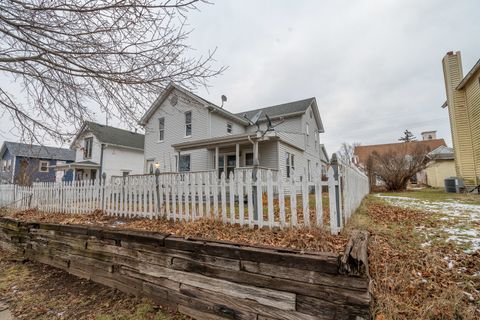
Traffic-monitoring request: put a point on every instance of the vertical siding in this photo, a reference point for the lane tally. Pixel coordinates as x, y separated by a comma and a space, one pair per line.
472, 92
459, 118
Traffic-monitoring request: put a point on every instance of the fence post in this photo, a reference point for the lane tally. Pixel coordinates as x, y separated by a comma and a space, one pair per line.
103, 181
338, 201
157, 190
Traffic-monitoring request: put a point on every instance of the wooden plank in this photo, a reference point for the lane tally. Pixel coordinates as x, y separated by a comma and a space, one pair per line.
269, 297
327, 262
244, 306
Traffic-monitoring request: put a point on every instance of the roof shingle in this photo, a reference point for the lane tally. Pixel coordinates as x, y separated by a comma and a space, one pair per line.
41, 152
116, 136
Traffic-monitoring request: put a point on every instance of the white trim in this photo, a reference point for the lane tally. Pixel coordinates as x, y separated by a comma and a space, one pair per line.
40, 166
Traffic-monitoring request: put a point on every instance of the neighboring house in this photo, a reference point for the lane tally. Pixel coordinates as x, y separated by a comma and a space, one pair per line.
25, 163
184, 132
463, 102
440, 166
363, 153
103, 149
324, 160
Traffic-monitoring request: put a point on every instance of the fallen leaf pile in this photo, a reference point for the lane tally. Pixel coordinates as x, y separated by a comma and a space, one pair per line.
307, 239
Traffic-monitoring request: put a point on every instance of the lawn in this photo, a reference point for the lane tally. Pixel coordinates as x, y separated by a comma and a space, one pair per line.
438, 194
420, 270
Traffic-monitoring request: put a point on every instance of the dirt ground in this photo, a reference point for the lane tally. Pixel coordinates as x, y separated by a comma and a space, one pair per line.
36, 291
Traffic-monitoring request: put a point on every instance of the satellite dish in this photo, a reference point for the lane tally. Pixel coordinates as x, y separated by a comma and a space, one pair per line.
254, 121
224, 99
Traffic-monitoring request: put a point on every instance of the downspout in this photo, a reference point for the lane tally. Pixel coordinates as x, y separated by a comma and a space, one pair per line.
13, 168
101, 161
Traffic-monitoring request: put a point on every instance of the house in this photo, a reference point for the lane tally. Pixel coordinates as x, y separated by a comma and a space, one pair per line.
441, 165
363, 153
184, 132
26, 163
463, 104
104, 149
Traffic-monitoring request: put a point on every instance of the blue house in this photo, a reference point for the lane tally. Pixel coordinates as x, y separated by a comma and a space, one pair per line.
25, 163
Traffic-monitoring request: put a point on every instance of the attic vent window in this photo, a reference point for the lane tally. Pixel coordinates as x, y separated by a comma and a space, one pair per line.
229, 127
174, 100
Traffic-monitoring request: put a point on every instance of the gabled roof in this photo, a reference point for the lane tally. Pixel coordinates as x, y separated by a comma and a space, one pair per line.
287, 109
211, 106
36, 151
441, 153
469, 75
114, 136
364, 152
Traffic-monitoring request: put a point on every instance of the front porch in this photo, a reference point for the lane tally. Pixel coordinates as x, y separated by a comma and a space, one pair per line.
231, 154
82, 170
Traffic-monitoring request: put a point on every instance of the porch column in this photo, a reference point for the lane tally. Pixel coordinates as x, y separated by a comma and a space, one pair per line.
237, 155
216, 158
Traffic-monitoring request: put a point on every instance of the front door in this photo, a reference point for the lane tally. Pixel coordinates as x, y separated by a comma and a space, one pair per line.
231, 164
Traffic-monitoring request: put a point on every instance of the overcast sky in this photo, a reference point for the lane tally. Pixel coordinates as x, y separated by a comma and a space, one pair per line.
373, 66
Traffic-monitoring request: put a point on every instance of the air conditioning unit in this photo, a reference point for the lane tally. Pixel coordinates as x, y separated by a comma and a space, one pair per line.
454, 185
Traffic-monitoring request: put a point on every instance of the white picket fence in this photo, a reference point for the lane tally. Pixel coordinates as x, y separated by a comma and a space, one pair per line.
190, 196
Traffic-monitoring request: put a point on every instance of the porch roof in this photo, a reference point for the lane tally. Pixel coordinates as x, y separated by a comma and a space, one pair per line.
77, 165
224, 141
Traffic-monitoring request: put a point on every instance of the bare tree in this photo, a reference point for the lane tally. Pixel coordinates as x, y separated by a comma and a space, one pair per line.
407, 136
397, 166
72, 58
347, 152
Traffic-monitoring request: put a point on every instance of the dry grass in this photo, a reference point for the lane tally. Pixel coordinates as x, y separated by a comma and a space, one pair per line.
36, 291
411, 281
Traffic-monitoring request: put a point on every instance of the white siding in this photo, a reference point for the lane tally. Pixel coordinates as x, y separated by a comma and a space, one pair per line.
162, 152
218, 125
116, 160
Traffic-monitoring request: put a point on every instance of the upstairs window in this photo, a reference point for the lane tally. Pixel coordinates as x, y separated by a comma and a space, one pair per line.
43, 167
9, 165
188, 124
289, 164
87, 150
4, 165
308, 129
161, 129
229, 127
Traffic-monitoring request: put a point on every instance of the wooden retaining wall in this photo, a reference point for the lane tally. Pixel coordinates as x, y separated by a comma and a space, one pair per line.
203, 279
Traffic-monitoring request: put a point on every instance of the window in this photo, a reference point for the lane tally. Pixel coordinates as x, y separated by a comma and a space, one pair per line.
221, 165
290, 164
310, 114
316, 141
188, 124
161, 129
229, 127
308, 129
87, 151
125, 173
249, 159
184, 163
4, 165
43, 166
9, 165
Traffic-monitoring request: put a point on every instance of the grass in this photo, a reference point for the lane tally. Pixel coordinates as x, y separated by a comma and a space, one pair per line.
410, 280
437, 194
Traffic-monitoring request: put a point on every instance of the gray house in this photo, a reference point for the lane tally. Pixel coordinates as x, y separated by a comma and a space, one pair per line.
184, 132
